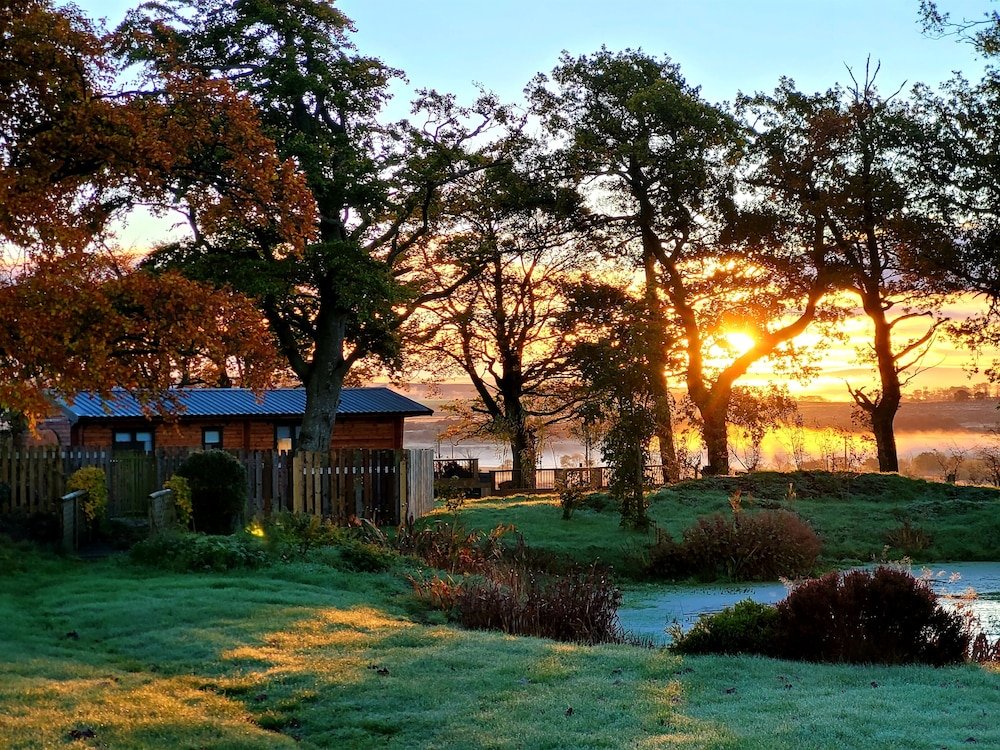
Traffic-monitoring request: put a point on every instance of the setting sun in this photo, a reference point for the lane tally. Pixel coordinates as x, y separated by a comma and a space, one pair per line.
740, 342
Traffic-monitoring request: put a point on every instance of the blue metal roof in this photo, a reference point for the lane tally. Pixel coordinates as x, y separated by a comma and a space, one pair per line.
233, 402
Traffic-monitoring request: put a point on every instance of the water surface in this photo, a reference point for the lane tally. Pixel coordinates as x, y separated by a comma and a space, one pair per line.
648, 612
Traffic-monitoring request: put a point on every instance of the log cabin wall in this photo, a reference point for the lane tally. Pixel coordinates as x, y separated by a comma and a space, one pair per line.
238, 433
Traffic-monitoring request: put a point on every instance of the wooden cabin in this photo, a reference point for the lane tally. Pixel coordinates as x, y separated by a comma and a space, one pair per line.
227, 418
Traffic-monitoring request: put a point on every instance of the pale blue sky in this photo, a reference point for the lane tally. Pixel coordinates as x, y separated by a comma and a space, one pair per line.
725, 46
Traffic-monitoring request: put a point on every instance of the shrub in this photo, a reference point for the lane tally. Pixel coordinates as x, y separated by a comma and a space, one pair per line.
886, 616
666, 558
449, 490
218, 490
41, 528
983, 650
570, 498
181, 492
745, 628
185, 551
438, 593
449, 546
580, 607
910, 539
297, 533
365, 557
92, 480
746, 547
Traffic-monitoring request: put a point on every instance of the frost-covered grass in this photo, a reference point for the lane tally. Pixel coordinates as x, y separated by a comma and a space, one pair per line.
302, 654
854, 516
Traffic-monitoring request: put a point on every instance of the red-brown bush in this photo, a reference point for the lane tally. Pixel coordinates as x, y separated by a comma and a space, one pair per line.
579, 607
885, 616
745, 547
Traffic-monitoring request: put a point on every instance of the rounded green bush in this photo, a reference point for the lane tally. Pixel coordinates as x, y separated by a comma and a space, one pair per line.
218, 485
745, 628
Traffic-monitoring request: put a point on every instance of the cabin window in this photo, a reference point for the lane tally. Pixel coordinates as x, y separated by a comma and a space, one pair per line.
211, 438
134, 440
286, 437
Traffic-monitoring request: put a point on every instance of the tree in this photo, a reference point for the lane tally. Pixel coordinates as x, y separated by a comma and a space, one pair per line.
660, 163
618, 383
499, 327
377, 187
75, 154
850, 163
983, 32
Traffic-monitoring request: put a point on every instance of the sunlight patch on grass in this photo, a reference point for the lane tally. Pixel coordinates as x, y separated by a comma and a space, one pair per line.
126, 713
363, 618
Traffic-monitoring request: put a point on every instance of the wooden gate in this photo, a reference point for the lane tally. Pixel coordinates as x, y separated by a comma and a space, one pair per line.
131, 479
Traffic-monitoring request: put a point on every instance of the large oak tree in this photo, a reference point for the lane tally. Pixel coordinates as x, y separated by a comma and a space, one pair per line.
659, 163
854, 163
377, 187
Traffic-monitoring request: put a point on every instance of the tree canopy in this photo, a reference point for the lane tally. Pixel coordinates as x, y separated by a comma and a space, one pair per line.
377, 186
77, 153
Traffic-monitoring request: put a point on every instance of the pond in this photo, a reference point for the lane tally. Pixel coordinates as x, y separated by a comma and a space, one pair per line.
648, 612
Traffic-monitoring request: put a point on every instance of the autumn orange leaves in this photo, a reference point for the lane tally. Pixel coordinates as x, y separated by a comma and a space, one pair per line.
76, 153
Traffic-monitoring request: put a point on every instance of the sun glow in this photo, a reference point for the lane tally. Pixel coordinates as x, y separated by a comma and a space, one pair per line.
739, 342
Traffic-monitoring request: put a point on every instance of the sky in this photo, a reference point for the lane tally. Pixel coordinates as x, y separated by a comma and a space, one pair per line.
723, 46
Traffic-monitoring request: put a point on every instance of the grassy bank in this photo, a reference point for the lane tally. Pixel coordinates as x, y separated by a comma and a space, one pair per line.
305, 655
858, 517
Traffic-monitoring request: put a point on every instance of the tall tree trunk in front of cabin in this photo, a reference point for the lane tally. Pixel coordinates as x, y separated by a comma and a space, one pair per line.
656, 354
322, 402
882, 410
322, 375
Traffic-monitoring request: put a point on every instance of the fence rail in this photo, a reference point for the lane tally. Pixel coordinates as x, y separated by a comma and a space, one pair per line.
383, 485
509, 481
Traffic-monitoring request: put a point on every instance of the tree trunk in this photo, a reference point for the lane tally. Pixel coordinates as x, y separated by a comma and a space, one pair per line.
656, 354
665, 438
716, 438
885, 437
883, 411
524, 455
322, 401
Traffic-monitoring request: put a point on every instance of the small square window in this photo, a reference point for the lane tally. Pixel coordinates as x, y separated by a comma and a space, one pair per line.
286, 437
211, 438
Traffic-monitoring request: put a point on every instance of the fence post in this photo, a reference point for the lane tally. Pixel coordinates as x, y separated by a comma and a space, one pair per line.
162, 512
70, 535
403, 486
298, 506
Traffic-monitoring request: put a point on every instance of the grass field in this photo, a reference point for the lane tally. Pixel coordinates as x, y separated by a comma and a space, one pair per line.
852, 515
303, 654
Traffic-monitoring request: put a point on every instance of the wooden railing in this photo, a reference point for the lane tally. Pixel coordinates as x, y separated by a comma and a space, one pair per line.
541, 481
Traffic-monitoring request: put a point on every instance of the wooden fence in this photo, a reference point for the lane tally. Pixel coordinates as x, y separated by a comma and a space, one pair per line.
383, 485
541, 481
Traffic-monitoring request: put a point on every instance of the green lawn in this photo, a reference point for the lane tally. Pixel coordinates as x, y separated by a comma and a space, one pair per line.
303, 654
108, 655
851, 514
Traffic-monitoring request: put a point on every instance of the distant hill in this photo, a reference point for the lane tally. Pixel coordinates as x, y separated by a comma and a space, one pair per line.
913, 416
